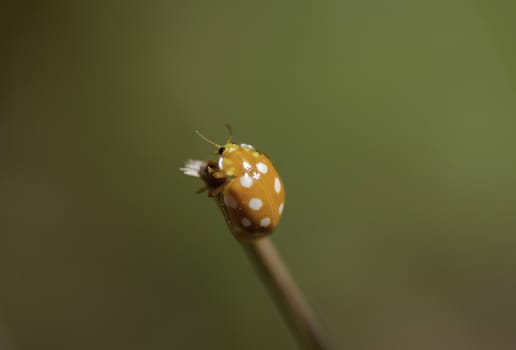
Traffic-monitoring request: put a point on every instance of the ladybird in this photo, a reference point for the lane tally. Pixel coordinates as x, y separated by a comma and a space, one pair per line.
247, 186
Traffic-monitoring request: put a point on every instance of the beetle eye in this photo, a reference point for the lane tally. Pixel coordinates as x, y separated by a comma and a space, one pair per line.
221, 150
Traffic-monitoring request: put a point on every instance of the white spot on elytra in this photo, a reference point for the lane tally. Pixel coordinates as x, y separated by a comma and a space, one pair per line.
277, 185
246, 181
245, 222
265, 222
263, 168
280, 209
255, 203
230, 201
246, 165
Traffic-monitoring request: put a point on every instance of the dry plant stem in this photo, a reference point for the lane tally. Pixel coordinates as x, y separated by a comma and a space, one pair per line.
286, 293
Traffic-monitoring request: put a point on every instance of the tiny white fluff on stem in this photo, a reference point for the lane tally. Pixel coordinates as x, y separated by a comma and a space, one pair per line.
193, 167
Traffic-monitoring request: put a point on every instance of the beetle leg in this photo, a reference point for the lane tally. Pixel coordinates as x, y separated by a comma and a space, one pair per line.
201, 190
217, 190
218, 174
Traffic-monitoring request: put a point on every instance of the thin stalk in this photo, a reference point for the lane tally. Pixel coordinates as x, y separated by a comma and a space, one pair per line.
287, 295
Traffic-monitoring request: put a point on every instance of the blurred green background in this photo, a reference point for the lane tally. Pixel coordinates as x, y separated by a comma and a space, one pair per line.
392, 124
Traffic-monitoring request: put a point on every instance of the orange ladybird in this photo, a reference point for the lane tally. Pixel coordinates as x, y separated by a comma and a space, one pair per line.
248, 188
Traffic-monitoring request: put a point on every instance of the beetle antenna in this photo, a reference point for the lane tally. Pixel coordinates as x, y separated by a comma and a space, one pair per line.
207, 139
230, 131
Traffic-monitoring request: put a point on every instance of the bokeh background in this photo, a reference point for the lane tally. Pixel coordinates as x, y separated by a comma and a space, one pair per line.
392, 124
